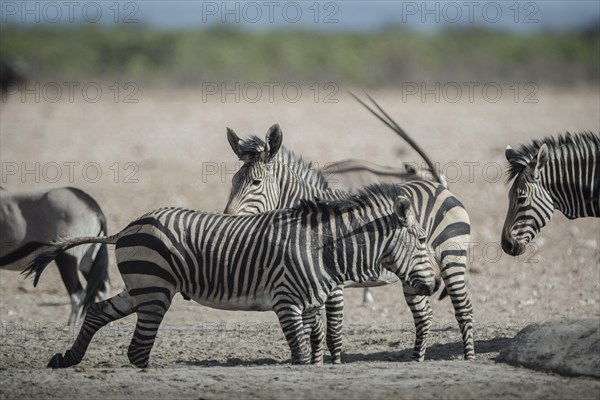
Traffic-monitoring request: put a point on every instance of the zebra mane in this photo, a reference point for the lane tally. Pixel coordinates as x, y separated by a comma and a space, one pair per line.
306, 170
253, 149
528, 151
365, 197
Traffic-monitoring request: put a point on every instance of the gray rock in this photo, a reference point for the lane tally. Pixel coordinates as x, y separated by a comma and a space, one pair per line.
566, 346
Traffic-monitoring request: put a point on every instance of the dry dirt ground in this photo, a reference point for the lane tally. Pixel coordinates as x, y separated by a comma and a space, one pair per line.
170, 149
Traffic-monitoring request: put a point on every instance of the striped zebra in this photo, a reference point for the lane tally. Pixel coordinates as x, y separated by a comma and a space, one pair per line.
273, 177
291, 179
287, 261
549, 174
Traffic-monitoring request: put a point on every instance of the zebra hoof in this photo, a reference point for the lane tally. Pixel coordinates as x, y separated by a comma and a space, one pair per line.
57, 362
301, 361
141, 365
336, 360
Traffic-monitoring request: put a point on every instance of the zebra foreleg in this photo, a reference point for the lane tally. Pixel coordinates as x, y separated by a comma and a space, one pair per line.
423, 317
291, 322
314, 330
334, 307
307, 324
98, 315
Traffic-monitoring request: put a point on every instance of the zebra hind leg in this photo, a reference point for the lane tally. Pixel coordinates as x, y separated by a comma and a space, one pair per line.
334, 307
290, 318
150, 313
453, 262
97, 316
423, 317
463, 311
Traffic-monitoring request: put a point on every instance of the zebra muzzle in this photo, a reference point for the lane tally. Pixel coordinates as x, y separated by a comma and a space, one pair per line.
512, 247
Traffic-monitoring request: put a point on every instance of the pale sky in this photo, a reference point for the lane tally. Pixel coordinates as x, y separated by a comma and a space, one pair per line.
425, 16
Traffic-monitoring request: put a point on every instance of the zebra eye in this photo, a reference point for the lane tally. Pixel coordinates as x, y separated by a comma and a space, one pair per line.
422, 239
521, 193
256, 182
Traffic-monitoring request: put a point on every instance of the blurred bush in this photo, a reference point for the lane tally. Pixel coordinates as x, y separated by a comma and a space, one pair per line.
374, 59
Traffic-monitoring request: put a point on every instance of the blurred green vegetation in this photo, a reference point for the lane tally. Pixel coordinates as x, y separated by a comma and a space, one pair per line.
374, 59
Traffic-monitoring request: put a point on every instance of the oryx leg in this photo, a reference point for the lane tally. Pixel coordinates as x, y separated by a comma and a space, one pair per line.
67, 266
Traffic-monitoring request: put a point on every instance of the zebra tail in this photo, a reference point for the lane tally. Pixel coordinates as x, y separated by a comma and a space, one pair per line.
48, 253
99, 270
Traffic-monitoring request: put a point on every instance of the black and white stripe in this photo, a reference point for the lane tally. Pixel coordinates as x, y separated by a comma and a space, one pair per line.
272, 179
287, 261
549, 174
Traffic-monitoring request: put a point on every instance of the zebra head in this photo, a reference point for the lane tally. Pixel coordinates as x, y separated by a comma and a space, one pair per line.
255, 187
407, 254
530, 205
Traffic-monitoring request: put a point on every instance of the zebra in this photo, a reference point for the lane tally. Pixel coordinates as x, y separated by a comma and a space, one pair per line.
351, 175
274, 177
549, 174
287, 261
27, 219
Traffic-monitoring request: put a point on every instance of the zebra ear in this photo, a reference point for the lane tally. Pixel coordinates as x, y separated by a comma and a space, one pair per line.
273, 140
511, 154
539, 161
234, 141
542, 157
402, 210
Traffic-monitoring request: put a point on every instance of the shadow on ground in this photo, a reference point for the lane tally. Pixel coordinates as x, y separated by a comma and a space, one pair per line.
437, 352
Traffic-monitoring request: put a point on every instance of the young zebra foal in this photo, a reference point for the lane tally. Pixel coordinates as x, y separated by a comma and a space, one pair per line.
287, 261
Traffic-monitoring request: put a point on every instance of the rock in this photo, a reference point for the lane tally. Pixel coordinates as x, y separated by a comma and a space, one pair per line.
566, 346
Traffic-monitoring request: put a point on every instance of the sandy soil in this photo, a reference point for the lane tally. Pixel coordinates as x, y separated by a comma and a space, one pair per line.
170, 149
